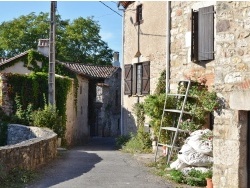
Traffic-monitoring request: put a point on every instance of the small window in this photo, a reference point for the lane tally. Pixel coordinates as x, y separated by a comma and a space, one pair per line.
137, 79
139, 14
202, 34
80, 89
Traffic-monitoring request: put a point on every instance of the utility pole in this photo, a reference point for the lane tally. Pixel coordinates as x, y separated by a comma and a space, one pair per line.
52, 59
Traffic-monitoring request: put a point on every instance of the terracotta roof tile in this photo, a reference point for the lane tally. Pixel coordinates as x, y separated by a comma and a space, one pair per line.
13, 58
92, 71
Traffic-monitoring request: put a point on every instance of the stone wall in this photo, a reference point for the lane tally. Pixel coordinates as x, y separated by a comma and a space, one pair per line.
5, 102
28, 154
181, 66
228, 75
232, 71
77, 129
110, 111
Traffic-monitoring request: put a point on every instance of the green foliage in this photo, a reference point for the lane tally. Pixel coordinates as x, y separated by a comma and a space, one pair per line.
15, 178
177, 176
22, 116
200, 103
138, 143
49, 117
138, 110
193, 178
161, 84
120, 141
3, 134
77, 41
29, 91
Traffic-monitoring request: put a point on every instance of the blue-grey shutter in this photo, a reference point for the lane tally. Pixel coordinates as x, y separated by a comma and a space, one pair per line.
206, 33
128, 73
145, 77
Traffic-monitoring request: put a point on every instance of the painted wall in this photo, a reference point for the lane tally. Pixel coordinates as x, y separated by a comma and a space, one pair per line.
152, 46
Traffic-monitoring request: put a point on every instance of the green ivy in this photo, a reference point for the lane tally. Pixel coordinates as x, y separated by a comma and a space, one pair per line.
3, 133
31, 90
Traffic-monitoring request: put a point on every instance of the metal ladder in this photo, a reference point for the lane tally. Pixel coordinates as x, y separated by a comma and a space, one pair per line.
174, 128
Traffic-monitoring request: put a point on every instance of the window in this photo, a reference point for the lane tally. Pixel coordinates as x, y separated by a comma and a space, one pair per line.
139, 14
80, 89
202, 48
137, 79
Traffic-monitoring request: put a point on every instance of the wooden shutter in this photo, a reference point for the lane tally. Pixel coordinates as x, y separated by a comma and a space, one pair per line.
145, 77
128, 73
206, 33
194, 37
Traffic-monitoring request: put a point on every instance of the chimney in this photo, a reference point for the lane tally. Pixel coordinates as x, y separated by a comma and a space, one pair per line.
116, 62
43, 47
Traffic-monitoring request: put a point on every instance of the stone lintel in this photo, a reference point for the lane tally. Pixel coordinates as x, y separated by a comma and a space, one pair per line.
239, 100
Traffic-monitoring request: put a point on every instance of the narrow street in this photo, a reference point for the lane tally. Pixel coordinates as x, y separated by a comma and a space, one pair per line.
97, 165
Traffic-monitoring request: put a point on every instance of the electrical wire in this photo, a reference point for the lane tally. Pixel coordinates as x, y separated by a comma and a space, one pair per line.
110, 8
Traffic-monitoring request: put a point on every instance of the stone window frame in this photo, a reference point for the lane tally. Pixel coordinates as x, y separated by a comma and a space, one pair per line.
131, 76
202, 34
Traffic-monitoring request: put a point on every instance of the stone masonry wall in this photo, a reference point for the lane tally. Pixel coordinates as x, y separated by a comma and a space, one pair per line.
181, 66
5, 101
232, 71
29, 154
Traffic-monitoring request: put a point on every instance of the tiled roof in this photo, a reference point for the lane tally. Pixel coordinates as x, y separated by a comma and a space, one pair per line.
13, 58
92, 71
125, 4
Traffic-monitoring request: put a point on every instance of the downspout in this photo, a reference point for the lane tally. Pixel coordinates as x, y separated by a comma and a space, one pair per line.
122, 74
168, 9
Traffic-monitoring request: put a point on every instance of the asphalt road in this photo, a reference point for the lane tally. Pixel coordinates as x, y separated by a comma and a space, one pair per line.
97, 165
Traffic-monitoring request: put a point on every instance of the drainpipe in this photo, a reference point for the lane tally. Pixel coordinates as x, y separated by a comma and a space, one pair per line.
122, 73
168, 9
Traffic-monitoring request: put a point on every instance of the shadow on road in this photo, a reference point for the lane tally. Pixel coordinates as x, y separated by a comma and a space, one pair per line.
72, 163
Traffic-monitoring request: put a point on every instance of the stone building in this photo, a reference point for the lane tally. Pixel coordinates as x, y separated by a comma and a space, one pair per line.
81, 114
194, 39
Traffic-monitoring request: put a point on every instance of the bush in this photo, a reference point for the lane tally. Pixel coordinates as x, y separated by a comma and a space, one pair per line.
194, 177
138, 143
48, 117
121, 141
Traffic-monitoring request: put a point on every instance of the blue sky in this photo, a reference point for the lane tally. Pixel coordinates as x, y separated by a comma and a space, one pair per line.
109, 21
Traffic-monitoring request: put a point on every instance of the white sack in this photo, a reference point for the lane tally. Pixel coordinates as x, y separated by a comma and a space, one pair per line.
177, 165
196, 159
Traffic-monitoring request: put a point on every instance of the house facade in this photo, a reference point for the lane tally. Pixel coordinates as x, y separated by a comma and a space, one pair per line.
203, 39
82, 99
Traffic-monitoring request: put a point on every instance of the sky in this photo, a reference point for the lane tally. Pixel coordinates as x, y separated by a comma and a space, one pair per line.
109, 21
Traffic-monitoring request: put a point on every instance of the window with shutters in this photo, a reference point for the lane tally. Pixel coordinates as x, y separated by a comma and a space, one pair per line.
202, 48
137, 79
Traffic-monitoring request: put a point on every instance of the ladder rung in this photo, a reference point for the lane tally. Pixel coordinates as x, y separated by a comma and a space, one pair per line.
169, 146
176, 111
174, 129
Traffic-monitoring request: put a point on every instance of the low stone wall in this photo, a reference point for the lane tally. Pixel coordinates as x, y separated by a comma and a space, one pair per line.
31, 147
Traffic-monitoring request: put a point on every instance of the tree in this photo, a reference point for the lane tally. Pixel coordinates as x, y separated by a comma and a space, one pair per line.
78, 41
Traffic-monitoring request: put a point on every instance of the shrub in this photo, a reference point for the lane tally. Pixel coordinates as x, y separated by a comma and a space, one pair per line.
48, 117
138, 143
120, 141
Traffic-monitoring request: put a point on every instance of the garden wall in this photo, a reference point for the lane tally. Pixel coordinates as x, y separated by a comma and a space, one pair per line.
31, 147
